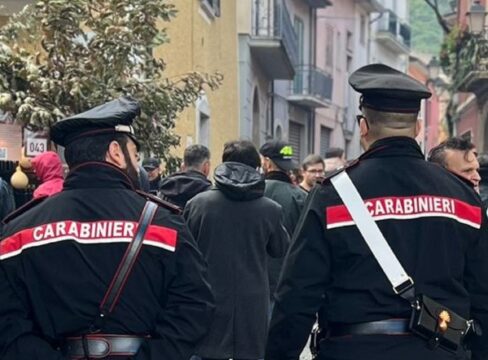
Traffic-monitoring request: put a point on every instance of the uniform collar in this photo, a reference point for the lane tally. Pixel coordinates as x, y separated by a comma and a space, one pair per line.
394, 146
97, 175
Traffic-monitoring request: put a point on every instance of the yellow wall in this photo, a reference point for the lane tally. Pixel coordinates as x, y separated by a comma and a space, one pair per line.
199, 43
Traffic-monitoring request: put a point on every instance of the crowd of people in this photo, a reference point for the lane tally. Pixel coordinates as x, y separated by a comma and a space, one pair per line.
118, 262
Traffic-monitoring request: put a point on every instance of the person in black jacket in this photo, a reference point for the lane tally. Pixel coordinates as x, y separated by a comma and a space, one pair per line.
180, 187
236, 227
7, 201
431, 219
153, 170
58, 256
276, 161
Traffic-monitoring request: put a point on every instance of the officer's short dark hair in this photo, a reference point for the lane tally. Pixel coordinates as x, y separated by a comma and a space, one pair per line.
195, 155
381, 121
333, 152
438, 154
241, 151
312, 159
92, 148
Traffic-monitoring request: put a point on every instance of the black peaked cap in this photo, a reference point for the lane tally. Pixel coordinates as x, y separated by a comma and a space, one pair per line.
386, 89
113, 116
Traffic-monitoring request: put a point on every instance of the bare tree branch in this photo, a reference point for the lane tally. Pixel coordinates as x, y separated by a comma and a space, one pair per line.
434, 5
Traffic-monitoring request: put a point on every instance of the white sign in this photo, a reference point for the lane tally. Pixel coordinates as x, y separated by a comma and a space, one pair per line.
3, 153
35, 146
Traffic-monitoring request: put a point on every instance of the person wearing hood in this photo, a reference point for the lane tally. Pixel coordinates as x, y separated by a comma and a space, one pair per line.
180, 187
49, 170
236, 228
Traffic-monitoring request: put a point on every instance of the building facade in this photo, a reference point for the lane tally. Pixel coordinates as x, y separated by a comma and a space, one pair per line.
203, 39
280, 83
351, 34
471, 103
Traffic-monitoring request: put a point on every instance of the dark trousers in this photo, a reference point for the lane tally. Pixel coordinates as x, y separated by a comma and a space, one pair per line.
225, 359
382, 347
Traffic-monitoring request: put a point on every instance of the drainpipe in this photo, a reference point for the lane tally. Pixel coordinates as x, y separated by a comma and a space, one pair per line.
313, 62
271, 112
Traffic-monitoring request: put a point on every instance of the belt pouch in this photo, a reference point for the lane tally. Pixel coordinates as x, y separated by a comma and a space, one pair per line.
441, 326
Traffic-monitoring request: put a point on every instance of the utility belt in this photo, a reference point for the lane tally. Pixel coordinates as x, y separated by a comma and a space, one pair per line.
101, 346
436, 323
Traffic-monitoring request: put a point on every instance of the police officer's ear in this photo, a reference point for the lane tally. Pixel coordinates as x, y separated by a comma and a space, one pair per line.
115, 155
363, 127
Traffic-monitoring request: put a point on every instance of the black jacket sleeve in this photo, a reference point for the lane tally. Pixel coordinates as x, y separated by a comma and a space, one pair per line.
476, 282
189, 302
301, 289
18, 339
280, 239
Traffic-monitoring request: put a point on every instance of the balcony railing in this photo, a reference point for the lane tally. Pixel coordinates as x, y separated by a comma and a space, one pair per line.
311, 87
272, 24
393, 32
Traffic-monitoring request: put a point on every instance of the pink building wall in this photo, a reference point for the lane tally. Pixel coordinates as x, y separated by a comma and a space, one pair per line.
342, 21
469, 117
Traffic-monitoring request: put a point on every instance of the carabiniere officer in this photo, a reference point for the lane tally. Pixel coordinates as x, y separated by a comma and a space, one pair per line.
58, 256
432, 221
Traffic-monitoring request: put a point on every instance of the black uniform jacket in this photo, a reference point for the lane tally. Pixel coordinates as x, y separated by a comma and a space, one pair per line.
58, 258
433, 223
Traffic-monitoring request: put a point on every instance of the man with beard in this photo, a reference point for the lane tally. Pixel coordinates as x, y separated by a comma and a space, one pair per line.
59, 297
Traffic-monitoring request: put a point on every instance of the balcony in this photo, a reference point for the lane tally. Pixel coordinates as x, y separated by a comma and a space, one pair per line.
315, 4
476, 80
273, 41
393, 34
9, 7
311, 87
469, 67
371, 5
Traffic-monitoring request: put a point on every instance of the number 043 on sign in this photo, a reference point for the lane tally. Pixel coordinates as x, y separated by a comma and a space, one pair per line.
35, 146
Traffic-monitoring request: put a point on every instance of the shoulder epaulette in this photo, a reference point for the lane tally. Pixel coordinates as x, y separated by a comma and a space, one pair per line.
27, 206
163, 203
333, 173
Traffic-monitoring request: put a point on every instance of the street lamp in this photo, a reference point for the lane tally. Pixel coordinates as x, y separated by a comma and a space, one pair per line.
476, 17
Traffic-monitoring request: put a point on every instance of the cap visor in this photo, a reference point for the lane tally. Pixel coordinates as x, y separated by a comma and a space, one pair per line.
286, 165
149, 168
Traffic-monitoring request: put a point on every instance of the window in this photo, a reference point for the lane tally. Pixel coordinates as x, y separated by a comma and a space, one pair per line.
349, 41
295, 134
349, 64
211, 7
203, 120
204, 129
339, 50
325, 134
329, 47
298, 25
362, 30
